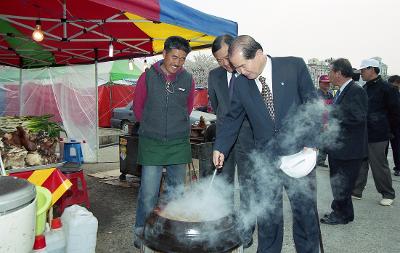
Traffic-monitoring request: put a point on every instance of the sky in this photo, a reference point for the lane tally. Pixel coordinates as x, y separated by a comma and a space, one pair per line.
352, 29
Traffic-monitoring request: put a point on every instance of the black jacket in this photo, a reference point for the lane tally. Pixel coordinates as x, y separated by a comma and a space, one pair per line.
351, 112
383, 109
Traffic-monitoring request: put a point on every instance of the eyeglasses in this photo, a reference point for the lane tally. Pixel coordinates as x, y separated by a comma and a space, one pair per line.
169, 87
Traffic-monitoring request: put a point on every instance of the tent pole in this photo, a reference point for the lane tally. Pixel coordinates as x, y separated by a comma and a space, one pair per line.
97, 107
20, 92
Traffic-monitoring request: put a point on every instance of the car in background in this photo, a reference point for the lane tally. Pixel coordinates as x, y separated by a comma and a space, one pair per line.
123, 116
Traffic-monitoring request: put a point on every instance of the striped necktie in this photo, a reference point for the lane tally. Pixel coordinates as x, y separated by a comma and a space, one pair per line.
267, 95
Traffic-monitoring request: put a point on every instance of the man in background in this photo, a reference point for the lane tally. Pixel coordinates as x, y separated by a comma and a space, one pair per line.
220, 86
325, 94
395, 140
383, 111
350, 109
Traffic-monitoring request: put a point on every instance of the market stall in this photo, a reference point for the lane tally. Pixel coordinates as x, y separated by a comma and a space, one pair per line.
70, 32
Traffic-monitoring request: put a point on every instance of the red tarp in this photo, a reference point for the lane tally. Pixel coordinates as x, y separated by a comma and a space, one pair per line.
110, 97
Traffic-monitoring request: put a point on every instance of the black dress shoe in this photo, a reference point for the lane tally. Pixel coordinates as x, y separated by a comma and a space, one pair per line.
327, 214
332, 219
137, 243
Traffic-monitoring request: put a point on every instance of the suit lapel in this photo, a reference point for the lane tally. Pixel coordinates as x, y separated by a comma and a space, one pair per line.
340, 98
223, 84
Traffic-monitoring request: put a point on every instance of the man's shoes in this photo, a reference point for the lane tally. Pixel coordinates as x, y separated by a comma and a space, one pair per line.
397, 173
137, 243
322, 165
358, 197
386, 202
332, 219
248, 243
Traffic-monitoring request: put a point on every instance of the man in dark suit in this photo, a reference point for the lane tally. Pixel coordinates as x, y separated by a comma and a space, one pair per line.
350, 109
286, 85
220, 83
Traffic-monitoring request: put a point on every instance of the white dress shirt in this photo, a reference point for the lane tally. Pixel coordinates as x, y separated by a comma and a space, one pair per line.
228, 77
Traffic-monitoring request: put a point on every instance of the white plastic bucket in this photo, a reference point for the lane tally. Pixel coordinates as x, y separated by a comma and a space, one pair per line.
17, 215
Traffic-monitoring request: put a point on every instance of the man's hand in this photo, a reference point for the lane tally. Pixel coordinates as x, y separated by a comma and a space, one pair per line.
218, 159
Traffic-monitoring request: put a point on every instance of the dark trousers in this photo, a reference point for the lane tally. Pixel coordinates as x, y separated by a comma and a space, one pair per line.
321, 157
343, 175
395, 143
239, 157
380, 171
302, 196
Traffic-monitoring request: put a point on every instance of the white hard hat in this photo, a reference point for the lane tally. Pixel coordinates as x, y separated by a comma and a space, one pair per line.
300, 164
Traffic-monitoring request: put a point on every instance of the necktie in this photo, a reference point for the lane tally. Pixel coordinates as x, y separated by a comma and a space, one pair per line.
267, 95
336, 97
231, 82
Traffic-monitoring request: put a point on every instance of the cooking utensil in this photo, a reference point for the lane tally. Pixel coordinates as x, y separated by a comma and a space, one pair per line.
212, 179
211, 236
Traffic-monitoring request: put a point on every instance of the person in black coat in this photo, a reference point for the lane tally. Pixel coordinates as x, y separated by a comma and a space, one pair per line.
350, 108
220, 86
395, 140
383, 113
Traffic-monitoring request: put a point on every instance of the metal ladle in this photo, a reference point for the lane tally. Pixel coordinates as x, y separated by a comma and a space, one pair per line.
212, 179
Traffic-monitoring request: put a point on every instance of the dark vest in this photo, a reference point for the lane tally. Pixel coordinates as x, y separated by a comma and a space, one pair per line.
165, 115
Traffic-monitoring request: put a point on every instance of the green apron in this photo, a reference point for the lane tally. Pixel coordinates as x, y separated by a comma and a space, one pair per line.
153, 152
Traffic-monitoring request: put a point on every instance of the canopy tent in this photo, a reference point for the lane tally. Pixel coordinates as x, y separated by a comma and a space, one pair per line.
80, 32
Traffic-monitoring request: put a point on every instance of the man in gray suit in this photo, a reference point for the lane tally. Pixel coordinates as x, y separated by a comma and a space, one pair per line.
220, 84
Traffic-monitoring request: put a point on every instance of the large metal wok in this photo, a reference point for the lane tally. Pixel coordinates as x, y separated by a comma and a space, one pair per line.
212, 236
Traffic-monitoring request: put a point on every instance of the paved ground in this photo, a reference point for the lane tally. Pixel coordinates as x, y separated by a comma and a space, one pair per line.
375, 229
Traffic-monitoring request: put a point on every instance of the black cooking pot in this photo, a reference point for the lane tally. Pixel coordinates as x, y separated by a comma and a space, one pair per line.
167, 235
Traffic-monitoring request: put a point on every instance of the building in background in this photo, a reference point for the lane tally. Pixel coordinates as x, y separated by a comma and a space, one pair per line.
383, 67
318, 68
321, 67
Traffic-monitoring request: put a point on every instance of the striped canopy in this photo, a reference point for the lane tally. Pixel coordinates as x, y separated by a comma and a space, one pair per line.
80, 31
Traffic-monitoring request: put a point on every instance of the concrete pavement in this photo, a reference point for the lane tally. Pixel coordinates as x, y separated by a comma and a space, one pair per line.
375, 228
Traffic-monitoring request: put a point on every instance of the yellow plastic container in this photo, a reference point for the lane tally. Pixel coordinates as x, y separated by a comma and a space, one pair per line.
43, 197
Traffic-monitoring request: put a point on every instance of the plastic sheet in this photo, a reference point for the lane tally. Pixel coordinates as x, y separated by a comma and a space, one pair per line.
69, 93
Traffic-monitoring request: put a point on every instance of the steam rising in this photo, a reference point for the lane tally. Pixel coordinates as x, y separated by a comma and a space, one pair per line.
203, 204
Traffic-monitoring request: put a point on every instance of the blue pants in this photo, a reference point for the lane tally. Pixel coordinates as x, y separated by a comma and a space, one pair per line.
150, 186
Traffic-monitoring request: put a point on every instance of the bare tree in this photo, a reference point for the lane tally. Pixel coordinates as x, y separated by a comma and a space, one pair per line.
200, 65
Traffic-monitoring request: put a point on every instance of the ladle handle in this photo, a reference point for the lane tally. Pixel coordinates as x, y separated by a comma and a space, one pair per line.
212, 179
